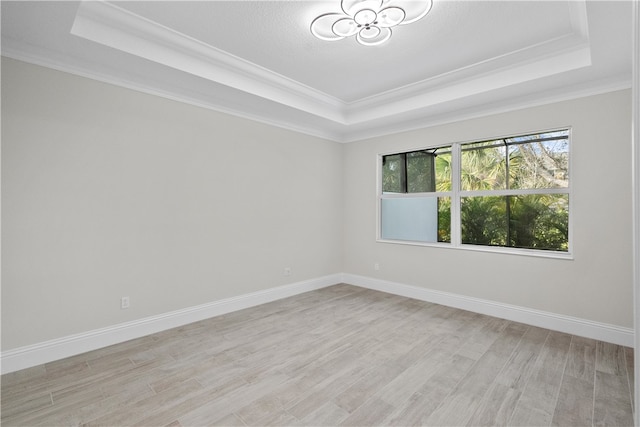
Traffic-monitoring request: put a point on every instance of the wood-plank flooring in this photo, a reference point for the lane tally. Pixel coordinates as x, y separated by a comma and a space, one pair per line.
337, 356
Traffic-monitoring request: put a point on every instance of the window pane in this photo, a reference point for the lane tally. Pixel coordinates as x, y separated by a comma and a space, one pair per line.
483, 220
539, 221
443, 169
483, 166
524, 165
419, 219
444, 219
541, 164
421, 174
392, 171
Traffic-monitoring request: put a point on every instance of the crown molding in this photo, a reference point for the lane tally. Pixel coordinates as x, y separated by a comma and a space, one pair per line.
569, 52
68, 65
341, 134
427, 120
536, 62
286, 104
112, 26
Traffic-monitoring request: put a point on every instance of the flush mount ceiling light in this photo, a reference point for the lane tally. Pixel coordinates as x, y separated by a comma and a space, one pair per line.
369, 20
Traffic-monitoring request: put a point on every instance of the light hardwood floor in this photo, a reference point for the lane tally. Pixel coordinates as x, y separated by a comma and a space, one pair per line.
337, 356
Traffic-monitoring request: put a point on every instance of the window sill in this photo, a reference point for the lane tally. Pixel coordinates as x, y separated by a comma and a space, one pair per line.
492, 249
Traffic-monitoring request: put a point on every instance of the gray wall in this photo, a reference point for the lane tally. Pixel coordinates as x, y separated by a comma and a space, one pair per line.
596, 285
108, 192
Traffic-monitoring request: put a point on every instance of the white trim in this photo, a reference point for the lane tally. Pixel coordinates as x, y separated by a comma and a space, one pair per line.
635, 195
340, 133
456, 194
120, 29
12, 52
480, 248
423, 120
557, 322
48, 351
329, 117
469, 81
112, 26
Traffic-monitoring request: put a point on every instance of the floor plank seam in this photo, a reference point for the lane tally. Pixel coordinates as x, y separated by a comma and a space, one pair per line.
336, 356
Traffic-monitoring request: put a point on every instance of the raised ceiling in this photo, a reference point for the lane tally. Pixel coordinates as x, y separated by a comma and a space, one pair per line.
258, 59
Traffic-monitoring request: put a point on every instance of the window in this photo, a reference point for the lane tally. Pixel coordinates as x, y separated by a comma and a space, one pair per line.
416, 202
503, 193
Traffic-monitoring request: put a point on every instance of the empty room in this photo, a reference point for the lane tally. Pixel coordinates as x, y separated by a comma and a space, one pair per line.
320, 213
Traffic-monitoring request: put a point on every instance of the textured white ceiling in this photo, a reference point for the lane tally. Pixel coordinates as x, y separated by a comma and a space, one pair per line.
258, 58
275, 35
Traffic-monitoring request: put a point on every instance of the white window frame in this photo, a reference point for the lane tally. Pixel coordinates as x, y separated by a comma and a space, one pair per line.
456, 194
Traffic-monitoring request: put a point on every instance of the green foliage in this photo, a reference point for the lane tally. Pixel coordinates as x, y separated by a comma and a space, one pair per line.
483, 167
540, 222
531, 221
536, 221
420, 172
483, 221
443, 171
417, 172
444, 219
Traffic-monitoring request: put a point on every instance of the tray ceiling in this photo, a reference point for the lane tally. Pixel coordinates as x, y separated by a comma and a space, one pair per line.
259, 60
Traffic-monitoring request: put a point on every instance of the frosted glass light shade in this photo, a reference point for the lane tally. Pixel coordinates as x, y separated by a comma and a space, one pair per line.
390, 17
369, 20
381, 36
345, 27
365, 17
351, 7
369, 32
322, 27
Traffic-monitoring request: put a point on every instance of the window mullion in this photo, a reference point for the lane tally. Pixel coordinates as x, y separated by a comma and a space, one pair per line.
515, 192
539, 205
455, 197
404, 185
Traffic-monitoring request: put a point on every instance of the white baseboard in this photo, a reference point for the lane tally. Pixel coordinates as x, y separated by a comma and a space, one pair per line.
48, 351
557, 322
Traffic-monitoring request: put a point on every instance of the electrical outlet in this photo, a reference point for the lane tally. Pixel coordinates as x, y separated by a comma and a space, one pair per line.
376, 266
287, 271
124, 302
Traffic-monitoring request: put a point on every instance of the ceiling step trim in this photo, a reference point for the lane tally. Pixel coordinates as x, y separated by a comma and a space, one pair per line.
112, 26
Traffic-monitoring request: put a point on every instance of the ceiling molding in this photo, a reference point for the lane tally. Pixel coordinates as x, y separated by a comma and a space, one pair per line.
383, 127
65, 64
471, 81
112, 26
566, 53
579, 18
145, 56
426, 120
